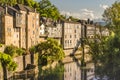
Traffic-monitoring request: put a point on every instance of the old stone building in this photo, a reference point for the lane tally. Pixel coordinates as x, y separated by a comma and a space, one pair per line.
71, 34
19, 26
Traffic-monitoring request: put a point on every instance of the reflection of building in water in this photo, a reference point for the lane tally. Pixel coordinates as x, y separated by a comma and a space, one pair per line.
72, 71
90, 71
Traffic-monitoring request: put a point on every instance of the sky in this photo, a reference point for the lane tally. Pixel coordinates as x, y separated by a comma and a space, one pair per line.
82, 9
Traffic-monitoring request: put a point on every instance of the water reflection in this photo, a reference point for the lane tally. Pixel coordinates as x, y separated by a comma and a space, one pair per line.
72, 71
68, 71
51, 73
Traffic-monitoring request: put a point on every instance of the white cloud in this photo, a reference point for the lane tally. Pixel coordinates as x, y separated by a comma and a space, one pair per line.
87, 14
74, 14
104, 6
86, 10
82, 14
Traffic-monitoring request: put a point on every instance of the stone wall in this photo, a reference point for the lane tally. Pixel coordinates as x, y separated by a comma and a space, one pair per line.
22, 62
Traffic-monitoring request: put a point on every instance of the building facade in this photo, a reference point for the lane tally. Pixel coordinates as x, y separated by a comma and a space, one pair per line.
19, 26
71, 34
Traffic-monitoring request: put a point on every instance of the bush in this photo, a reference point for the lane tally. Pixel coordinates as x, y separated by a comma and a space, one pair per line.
20, 51
0, 45
10, 50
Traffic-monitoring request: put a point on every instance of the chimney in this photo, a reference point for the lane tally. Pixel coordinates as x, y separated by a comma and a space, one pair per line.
88, 21
6, 9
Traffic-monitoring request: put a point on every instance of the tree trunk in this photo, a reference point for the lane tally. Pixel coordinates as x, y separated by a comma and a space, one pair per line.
4, 71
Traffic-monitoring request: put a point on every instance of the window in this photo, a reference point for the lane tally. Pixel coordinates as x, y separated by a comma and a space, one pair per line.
70, 36
9, 29
65, 36
37, 22
17, 35
33, 25
37, 29
65, 41
75, 31
33, 32
16, 29
70, 41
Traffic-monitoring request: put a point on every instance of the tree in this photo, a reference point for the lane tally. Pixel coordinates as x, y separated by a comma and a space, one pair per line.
10, 50
20, 1
20, 51
108, 60
106, 52
13, 51
46, 9
73, 19
48, 52
7, 63
97, 48
112, 17
8, 2
29, 3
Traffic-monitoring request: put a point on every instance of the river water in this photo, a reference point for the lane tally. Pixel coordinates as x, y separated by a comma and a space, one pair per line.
67, 71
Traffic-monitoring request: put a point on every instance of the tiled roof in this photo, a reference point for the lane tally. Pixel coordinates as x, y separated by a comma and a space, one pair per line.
29, 9
23, 8
13, 9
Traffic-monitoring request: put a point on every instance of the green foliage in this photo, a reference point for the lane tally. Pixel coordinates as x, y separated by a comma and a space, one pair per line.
49, 51
7, 64
29, 3
48, 10
13, 51
109, 60
106, 52
73, 19
0, 45
56, 73
32, 49
62, 17
10, 50
112, 16
8, 2
20, 51
7, 60
44, 7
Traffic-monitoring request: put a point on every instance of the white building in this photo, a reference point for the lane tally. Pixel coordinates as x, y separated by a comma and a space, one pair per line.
42, 29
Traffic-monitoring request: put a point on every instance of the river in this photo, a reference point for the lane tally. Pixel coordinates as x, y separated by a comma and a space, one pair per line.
67, 71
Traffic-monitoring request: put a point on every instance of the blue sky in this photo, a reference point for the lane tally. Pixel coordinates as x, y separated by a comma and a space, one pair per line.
82, 9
